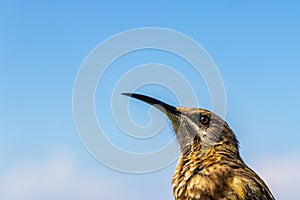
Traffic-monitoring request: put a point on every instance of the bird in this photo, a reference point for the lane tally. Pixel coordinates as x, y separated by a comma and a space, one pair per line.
210, 166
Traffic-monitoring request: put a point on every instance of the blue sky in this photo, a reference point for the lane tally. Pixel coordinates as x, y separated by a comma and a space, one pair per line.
255, 46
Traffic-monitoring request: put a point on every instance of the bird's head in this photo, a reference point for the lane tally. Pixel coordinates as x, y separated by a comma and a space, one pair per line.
196, 129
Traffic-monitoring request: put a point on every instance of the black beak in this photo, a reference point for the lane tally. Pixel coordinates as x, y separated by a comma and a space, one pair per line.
165, 108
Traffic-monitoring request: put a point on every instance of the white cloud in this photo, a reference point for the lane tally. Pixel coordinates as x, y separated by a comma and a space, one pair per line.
281, 173
58, 177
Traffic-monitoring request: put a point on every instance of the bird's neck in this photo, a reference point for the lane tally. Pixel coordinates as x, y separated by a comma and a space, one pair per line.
196, 154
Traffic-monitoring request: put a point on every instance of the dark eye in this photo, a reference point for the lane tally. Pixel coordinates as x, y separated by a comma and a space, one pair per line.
205, 120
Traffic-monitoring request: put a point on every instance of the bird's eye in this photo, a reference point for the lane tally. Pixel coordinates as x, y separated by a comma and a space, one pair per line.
204, 120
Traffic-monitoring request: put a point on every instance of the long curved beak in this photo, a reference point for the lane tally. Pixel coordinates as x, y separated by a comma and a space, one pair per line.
165, 108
